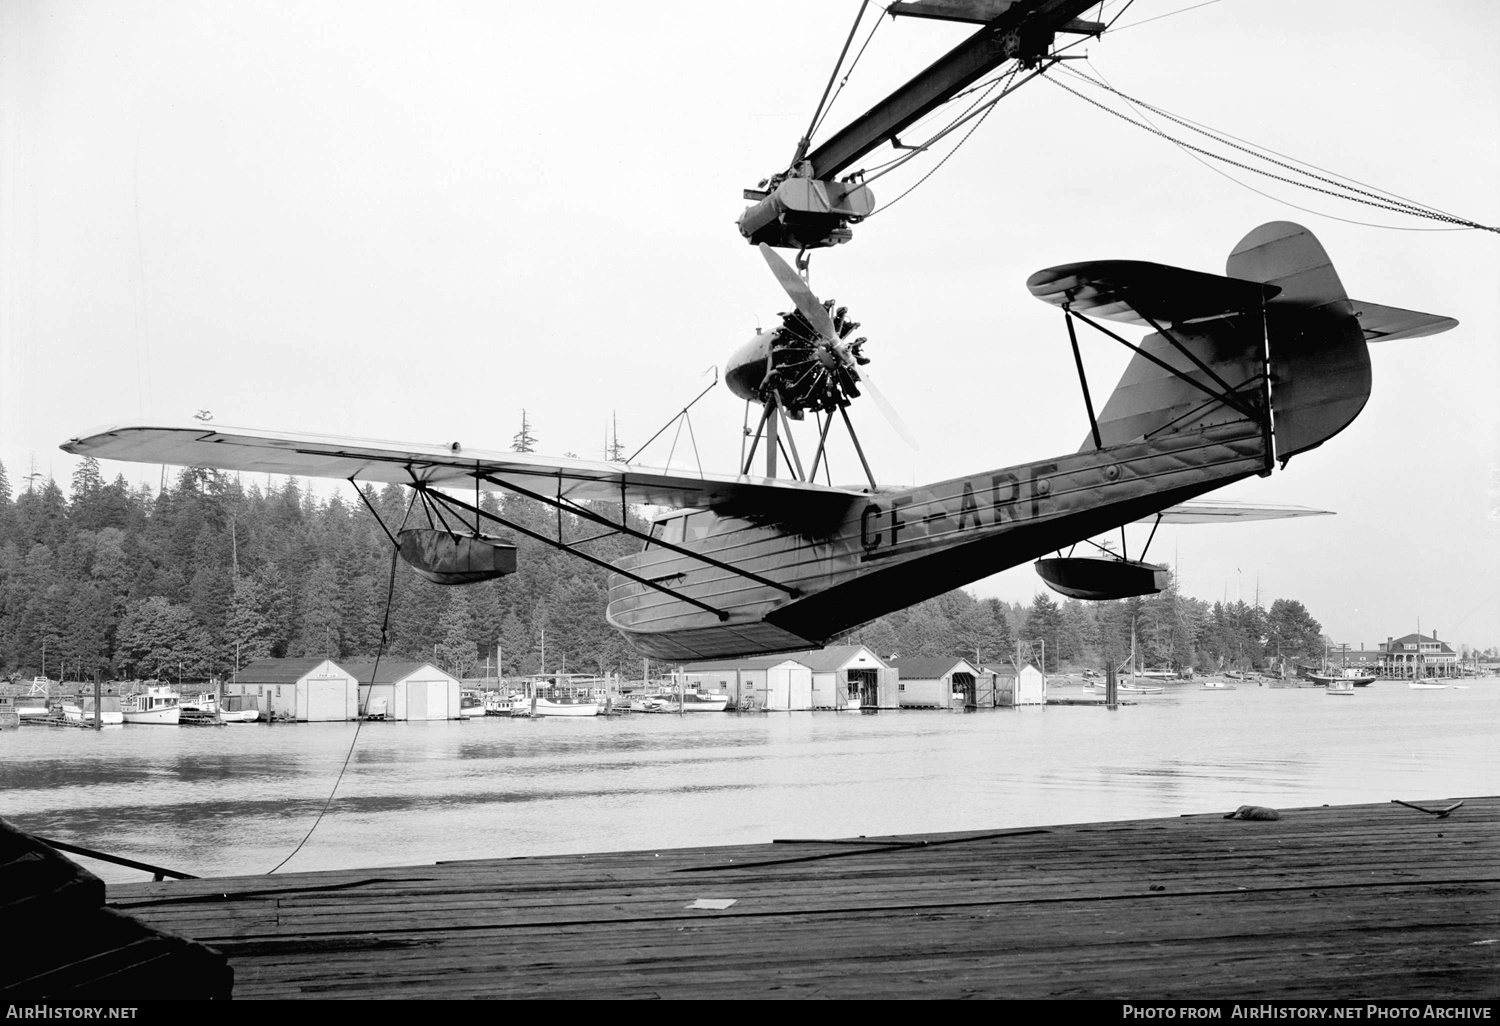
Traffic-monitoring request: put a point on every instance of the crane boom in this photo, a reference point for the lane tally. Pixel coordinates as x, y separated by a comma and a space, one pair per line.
805, 207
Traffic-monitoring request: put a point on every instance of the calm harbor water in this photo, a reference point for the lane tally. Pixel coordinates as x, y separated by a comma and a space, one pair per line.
238, 799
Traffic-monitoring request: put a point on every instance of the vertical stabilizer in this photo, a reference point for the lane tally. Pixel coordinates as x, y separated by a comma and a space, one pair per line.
1320, 364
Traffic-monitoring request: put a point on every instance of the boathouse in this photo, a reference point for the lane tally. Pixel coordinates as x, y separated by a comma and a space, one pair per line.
408, 690
846, 676
930, 682
309, 690
771, 683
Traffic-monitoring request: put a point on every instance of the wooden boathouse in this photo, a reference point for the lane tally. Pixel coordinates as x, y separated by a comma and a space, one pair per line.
1380, 902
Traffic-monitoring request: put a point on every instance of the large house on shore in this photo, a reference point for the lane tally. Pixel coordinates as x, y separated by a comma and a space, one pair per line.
1417, 655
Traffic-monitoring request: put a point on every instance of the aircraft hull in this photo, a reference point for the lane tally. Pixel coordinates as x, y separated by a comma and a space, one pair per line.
902, 546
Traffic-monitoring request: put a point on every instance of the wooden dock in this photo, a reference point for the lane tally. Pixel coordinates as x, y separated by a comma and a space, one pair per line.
1368, 902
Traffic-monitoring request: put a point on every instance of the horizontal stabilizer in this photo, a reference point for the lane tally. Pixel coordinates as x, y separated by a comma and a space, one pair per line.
1136, 292
1389, 323
1223, 511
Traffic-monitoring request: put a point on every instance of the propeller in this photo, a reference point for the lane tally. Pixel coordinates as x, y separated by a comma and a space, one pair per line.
831, 329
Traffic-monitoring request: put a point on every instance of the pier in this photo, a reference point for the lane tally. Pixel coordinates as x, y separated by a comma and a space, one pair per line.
1364, 902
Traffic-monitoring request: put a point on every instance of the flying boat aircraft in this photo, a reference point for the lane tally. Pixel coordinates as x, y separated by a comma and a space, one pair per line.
1240, 372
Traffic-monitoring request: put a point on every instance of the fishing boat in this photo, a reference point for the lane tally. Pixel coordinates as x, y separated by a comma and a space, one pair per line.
156, 705
1340, 686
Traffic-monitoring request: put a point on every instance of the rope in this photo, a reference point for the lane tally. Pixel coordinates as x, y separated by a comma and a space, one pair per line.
390, 592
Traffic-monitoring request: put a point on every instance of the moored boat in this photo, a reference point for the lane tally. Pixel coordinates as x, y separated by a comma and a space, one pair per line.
1217, 685
202, 711
1123, 687
470, 704
564, 705
239, 709
1426, 684
155, 705
1340, 686
500, 703
110, 714
1354, 679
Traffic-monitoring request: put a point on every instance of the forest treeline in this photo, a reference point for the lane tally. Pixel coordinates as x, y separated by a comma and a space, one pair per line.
114, 581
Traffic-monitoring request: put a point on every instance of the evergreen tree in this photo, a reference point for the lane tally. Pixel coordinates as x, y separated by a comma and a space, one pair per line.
1044, 623
524, 441
457, 652
160, 639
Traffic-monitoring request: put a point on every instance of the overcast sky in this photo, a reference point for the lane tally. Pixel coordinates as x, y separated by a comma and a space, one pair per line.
410, 221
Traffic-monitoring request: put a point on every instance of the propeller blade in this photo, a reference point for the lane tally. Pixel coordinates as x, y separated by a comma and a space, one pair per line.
886, 408
808, 305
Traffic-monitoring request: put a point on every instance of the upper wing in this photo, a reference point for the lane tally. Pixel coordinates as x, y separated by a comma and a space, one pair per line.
1219, 511
1137, 292
255, 451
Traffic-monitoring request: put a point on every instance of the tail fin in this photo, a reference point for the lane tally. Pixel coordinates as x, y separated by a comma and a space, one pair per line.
1320, 365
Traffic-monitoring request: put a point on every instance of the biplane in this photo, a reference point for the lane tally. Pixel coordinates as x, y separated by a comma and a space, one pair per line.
1240, 372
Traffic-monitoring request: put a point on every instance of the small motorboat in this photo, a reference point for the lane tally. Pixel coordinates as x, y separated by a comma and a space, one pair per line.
564, 705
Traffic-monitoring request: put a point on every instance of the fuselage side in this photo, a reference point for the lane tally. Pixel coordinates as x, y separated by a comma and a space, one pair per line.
898, 547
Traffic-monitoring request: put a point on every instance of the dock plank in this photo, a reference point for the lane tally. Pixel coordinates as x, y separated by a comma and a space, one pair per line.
1355, 902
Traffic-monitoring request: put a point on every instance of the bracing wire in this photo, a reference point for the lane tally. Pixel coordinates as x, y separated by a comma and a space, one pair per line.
823, 101
1158, 17
989, 109
390, 592
1344, 192
819, 119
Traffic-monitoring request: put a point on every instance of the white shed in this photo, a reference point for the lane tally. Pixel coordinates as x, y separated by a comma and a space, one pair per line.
309, 689
1031, 686
410, 690
769, 683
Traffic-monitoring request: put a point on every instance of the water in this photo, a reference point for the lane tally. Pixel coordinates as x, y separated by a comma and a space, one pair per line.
238, 799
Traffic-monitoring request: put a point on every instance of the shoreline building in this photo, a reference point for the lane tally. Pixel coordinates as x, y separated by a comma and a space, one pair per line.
307, 689
930, 682
1417, 655
839, 677
407, 689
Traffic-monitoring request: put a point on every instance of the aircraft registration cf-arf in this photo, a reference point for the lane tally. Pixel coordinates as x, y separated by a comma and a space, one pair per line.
1240, 372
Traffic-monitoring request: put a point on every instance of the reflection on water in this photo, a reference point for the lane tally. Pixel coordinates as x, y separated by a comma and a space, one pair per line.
239, 798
